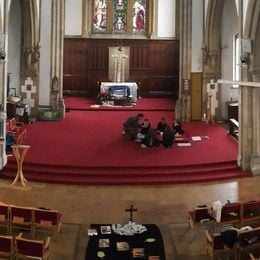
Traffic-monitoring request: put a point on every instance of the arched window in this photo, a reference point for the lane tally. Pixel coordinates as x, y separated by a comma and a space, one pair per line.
120, 16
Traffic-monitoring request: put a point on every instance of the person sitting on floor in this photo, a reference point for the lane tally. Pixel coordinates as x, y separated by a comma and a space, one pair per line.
168, 137
150, 139
177, 127
131, 126
161, 126
146, 125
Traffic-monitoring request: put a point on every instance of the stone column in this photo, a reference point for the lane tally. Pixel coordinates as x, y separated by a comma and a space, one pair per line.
86, 18
57, 101
184, 102
245, 109
255, 156
3, 84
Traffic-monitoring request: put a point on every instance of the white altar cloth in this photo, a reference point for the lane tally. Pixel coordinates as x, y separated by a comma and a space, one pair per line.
132, 86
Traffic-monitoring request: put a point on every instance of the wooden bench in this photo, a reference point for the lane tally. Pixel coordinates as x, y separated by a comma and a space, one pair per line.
234, 128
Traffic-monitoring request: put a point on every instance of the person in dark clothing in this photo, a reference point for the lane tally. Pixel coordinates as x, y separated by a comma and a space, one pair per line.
168, 137
146, 125
229, 238
177, 127
131, 126
161, 126
150, 139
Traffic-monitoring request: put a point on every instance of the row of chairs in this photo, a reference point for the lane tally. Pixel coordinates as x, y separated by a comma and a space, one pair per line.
29, 218
248, 241
237, 214
22, 248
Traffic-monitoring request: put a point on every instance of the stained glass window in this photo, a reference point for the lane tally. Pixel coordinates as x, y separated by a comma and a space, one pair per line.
120, 16
100, 15
139, 16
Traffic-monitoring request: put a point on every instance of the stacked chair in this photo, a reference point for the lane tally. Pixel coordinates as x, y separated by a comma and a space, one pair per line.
22, 248
32, 220
32, 249
7, 247
236, 215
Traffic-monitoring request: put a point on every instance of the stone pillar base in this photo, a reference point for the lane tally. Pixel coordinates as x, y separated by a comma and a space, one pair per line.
62, 108
255, 165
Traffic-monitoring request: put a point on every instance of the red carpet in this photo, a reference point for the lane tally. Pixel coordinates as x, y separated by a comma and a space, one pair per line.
88, 148
144, 104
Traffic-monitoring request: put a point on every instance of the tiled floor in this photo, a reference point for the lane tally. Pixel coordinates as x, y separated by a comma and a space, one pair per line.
161, 205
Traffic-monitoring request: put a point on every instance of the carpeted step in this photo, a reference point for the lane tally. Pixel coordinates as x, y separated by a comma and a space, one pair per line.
162, 170
141, 178
122, 180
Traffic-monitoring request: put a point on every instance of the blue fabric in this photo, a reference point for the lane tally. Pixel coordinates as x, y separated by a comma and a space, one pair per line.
9, 140
118, 88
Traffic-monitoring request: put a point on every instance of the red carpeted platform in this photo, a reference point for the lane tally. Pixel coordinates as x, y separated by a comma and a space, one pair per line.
88, 148
143, 104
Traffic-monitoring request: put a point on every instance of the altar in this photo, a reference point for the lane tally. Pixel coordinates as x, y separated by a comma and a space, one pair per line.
132, 86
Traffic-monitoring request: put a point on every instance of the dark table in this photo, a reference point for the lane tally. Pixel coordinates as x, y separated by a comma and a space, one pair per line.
155, 248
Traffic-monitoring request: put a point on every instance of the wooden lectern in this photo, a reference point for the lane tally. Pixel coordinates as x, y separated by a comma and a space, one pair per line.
19, 152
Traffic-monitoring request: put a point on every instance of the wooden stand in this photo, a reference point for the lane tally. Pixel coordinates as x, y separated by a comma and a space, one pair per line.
19, 152
210, 118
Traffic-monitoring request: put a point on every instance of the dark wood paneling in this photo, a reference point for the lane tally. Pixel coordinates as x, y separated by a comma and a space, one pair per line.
154, 65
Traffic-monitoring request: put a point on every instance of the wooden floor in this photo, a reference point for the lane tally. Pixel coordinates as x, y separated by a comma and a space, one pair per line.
161, 205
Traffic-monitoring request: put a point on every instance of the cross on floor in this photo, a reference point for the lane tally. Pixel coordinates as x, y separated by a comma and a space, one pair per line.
131, 210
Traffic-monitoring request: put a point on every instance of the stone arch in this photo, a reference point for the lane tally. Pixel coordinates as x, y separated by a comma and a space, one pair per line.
30, 37
30, 52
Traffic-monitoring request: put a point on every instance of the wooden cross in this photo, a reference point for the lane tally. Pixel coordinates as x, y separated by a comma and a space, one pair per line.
131, 210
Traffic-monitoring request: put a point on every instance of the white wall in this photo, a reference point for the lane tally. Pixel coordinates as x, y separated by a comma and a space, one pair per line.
73, 17
197, 35
45, 61
14, 46
166, 18
229, 29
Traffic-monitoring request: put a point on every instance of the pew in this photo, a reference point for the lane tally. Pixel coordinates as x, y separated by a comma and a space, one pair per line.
231, 214
7, 247
248, 241
32, 249
250, 212
47, 220
215, 247
199, 215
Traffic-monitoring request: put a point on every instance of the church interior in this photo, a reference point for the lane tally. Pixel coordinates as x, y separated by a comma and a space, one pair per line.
72, 71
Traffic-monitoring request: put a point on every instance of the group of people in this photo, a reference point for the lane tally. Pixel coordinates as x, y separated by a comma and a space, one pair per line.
140, 130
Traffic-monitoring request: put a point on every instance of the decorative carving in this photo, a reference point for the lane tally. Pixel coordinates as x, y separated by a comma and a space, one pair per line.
32, 57
55, 92
29, 89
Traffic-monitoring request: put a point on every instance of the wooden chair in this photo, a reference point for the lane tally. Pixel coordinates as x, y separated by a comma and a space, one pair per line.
199, 215
250, 212
249, 241
216, 248
21, 218
231, 214
4, 217
32, 249
47, 220
7, 247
